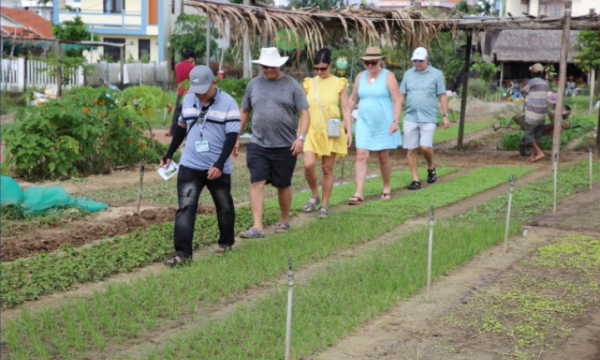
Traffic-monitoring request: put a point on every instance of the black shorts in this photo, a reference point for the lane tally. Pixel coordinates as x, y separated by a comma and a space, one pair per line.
533, 133
275, 165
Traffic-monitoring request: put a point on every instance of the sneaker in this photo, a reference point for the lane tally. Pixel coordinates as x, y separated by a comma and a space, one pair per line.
431, 176
415, 185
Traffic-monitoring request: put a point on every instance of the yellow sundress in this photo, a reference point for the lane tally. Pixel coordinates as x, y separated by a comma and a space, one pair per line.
317, 140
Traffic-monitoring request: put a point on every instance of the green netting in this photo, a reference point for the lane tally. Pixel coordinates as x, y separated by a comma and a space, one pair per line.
41, 199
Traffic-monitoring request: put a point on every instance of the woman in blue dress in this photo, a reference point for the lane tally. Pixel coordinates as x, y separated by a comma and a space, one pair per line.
378, 96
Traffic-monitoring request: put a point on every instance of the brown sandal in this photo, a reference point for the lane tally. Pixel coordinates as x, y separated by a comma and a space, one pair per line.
355, 200
386, 196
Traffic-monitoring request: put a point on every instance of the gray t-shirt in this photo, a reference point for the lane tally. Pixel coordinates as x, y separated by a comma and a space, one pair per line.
274, 105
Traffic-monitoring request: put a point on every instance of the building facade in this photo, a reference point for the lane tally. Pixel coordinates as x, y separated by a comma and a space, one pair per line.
551, 8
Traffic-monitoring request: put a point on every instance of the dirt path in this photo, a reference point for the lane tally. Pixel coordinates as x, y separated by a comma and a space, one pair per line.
415, 327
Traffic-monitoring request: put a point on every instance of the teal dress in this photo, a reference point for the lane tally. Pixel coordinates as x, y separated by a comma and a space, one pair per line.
375, 115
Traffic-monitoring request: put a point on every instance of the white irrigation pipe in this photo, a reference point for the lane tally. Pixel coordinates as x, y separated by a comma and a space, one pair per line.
512, 179
555, 175
430, 249
590, 147
288, 324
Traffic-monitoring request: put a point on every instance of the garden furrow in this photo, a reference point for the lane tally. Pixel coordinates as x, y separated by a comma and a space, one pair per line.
353, 291
304, 245
225, 306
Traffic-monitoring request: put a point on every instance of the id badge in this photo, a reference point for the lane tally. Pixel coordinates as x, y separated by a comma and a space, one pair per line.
201, 146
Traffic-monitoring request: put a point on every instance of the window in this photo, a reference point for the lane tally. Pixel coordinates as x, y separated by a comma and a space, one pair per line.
114, 6
113, 51
144, 50
542, 10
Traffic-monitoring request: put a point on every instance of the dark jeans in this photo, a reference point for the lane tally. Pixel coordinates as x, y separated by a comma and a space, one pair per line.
176, 114
190, 183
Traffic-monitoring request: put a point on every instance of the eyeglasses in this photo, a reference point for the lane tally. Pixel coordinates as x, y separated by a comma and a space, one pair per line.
320, 68
267, 67
371, 63
418, 61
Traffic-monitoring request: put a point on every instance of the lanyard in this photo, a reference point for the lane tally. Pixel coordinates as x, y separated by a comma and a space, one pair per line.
203, 121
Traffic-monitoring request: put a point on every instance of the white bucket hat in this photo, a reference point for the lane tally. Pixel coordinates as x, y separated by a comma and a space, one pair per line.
270, 57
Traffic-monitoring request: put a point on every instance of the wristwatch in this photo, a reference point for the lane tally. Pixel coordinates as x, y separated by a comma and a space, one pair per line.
302, 137
445, 115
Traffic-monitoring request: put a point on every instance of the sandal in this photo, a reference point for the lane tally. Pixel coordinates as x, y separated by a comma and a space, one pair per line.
178, 259
355, 200
223, 249
309, 206
323, 212
414, 185
386, 196
282, 227
431, 176
251, 233
168, 134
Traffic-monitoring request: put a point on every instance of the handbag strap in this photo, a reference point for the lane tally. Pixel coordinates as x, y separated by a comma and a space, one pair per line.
318, 100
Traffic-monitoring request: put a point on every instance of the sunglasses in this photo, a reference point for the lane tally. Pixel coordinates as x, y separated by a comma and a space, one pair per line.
267, 67
418, 61
320, 68
371, 63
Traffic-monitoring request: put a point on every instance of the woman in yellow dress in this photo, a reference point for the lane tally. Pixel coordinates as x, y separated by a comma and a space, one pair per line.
331, 93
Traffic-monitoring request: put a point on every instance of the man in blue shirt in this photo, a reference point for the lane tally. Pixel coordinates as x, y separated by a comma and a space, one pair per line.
422, 85
210, 119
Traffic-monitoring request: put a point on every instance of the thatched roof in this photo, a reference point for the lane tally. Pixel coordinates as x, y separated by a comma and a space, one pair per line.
365, 23
532, 46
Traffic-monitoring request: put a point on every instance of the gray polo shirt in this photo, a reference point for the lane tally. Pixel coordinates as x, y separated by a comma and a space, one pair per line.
274, 105
222, 117
422, 90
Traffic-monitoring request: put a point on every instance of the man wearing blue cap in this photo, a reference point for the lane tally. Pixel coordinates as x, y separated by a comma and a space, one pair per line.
210, 119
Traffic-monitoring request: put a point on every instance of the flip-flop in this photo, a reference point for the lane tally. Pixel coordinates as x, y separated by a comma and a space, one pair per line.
178, 260
355, 200
309, 206
282, 227
251, 233
386, 196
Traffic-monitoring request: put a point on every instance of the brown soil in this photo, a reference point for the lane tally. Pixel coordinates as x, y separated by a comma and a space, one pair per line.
115, 221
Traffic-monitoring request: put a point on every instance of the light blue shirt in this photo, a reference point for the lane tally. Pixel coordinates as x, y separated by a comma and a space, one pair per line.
422, 90
223, 117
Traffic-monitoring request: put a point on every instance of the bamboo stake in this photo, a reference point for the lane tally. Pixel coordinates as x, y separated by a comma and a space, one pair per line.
512, 178
140, 189
430, 249
288, 323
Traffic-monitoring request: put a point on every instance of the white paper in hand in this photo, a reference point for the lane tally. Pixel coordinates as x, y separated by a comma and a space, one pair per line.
168, 172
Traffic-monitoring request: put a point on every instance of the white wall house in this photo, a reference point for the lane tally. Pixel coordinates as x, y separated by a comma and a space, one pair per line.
551, 8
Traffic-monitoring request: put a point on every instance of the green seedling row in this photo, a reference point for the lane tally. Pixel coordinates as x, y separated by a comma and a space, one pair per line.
350, 292
169, 295
41, 274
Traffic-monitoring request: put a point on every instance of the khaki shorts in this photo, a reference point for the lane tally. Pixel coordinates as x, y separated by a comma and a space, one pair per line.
418, 134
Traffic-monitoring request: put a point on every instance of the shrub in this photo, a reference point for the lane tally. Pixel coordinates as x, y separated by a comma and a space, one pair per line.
87, 130
478, 88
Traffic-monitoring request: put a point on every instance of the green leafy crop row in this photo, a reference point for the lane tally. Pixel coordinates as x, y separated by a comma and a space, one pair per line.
151, 301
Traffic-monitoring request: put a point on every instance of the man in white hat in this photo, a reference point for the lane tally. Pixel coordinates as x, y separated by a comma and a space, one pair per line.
536, 99
210, 119
274, 99
422, 85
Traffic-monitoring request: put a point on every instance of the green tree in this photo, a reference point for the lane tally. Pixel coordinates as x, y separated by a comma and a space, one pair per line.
190, 34
588, 55
322, 4
73, 30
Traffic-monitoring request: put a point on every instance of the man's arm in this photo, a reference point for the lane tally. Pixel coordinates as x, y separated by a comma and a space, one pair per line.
176, 141
303, 124
244, 116
444, 102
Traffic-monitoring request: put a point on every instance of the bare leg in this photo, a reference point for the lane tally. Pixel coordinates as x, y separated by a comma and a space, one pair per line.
360, 170
538, 152
411, 155
327, 167
428, 155
385, 165
284, 196
257, 200
310, 174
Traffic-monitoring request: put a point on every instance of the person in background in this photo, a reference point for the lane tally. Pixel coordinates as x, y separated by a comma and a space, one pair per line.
274, 99
210, 119
536, 99
182, 73
422, 85
376, 92
325, 93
